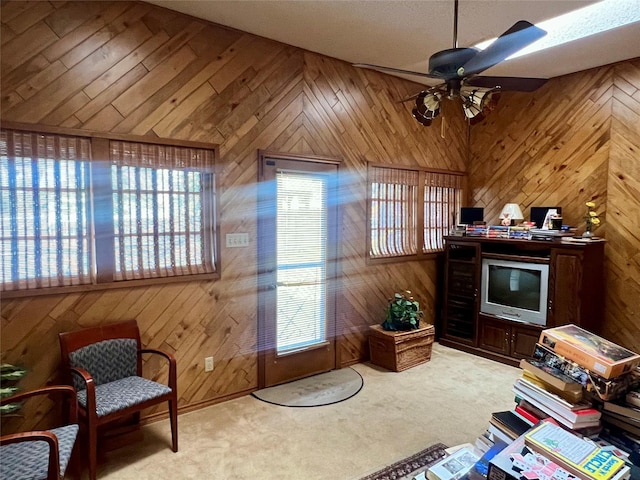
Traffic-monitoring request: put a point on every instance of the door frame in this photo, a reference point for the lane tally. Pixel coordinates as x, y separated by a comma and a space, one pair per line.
263, 247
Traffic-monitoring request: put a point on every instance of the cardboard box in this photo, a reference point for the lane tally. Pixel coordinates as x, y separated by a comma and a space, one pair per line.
398, 351
590, 351
606, 389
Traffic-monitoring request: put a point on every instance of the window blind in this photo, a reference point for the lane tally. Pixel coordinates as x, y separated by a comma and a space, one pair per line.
442, 199
393, 211
301, 260
163, 210
44, 195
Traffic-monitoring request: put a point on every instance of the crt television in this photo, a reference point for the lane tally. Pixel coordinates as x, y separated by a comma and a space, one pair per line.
515, 290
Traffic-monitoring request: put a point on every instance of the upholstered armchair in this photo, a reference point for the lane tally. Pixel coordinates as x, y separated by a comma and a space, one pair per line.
43, 454
104, 363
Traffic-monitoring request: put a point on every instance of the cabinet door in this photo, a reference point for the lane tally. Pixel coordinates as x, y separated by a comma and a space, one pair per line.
523, 340
565, 285
461, 292
494, 335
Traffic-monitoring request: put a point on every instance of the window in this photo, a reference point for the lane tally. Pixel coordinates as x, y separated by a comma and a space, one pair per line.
442, 201
44, 191
159, 215
71, 218
398, 225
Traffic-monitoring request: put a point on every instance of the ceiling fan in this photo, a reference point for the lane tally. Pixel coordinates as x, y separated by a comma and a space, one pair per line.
458, 68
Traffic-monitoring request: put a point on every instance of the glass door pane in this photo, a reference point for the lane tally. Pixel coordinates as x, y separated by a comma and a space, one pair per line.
301, 260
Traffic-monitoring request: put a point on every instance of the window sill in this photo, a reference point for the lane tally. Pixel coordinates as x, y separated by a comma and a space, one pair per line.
36, 292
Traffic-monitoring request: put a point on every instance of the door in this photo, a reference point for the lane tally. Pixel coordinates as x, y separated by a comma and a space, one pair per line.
297, 216
523, 340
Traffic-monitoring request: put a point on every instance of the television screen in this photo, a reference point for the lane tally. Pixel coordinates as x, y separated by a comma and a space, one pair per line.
514, 287
469, 215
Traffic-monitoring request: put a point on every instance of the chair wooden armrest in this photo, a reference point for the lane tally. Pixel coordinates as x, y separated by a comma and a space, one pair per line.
172, 364
35, 436
68, 394
90, 386
65, 391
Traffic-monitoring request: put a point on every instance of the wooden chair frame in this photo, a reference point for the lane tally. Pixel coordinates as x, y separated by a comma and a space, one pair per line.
71, 416
72, 341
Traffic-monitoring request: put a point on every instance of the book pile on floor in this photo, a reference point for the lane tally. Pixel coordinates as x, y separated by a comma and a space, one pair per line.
577, 416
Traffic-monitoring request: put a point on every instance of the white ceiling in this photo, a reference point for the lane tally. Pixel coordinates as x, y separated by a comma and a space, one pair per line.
404, 33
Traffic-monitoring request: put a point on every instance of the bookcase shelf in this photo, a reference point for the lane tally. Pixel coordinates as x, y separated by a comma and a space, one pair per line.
574, 294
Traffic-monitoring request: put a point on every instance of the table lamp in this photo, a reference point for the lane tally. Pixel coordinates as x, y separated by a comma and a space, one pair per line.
511, 214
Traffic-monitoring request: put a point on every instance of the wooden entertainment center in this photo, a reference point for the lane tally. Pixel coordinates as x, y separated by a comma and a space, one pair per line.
575, 293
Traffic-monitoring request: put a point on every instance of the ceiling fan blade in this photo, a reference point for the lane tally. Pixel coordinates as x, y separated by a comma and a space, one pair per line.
521, 34
507, 84
380, 68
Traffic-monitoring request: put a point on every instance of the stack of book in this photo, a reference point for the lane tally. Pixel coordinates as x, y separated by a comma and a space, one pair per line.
610, 375
548, 451
498, 231
578, 415
519, 231
562, 426
507, 426
624, 413
476, 231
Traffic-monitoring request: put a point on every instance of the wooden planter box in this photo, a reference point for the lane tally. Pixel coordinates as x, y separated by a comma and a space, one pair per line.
398, 351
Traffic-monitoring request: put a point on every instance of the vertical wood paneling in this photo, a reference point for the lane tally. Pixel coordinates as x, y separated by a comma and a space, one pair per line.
623, 207
130, 67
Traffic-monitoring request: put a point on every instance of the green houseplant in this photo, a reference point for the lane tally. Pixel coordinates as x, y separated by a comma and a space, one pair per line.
403, 313
9, 376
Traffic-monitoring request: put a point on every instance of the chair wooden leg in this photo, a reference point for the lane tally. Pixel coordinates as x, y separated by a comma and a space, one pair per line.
173, 416
74, 468
92, 433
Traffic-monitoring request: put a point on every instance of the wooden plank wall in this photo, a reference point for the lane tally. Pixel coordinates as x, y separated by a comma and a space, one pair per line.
131, 67
577, 139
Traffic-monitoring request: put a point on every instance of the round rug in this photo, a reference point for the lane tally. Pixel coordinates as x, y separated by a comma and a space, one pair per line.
322, 389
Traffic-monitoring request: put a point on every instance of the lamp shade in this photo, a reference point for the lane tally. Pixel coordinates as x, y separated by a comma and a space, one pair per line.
512, 211
477, 102
427, 107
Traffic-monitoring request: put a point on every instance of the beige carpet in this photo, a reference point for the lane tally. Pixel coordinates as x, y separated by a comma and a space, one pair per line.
315, 391
449, 400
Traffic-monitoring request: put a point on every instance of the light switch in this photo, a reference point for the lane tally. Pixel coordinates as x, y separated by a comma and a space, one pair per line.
237, 240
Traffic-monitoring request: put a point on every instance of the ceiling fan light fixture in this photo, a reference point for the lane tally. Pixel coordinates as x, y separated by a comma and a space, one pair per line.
427, 107
459, 68
478, 102
426, 121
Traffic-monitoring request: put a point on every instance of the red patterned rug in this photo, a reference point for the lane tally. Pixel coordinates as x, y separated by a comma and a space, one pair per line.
408, 468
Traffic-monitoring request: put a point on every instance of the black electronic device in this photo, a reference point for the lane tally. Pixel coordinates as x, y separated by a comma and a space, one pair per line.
470, 215
538, 214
